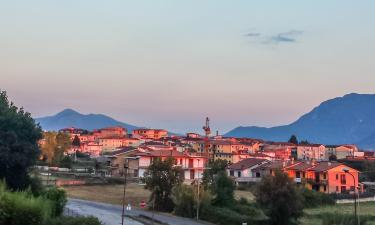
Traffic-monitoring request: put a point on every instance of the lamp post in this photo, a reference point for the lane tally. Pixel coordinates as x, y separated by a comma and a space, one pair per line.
198, 193
346, 170
126, 166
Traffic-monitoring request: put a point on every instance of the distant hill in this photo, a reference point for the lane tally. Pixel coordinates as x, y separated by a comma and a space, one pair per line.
71, 118
345, 120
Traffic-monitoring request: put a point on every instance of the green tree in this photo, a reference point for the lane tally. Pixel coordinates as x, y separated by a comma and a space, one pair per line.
214, 168
332, 158
280, 199
369, 170
160, 178
223, 190
19, 136
76, 142
293, 139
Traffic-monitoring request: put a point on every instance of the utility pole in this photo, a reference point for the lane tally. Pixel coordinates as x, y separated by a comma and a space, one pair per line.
123, 197
357, 221
198, 194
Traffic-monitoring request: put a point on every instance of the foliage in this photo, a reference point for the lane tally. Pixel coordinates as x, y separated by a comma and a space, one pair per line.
66, 162
280, 199
304, 142
183, 197
293, 139
215, 167
58, 198
315, 199
18, 143
54, 147
332, 158
20, 208
76, 141
344, 219
223, 189
369, 170
36, 186
74, 221
160, 177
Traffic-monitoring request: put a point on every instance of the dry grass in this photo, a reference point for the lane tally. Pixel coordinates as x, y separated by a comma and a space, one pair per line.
244, 194
112, 194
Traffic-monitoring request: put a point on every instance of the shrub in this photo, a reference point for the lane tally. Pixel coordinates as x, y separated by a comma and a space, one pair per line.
58, 198
225, 216
343, 219
74, 221
315, 199
183, 198
19, 208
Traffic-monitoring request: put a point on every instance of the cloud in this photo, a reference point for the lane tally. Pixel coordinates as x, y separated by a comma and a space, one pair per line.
282, 37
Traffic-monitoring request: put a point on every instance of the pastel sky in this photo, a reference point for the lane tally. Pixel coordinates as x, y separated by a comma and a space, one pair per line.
169, 64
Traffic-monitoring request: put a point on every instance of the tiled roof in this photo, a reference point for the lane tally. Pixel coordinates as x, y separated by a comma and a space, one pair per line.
120, 151
324, 166
246, 163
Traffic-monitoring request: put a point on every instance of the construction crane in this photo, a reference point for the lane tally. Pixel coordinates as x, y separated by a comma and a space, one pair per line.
207, 131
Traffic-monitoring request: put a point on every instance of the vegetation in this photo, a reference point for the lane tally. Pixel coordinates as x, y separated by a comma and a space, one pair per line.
280, 199
54, 146
215, 167
58, 198
74, 221
160, 178
19, 150
293, 139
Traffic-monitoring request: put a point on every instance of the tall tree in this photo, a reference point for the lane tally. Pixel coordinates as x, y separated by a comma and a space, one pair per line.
76, 142
222, 189
215, 167
160, 178
19, 136
280, 199
293, 139
54, 146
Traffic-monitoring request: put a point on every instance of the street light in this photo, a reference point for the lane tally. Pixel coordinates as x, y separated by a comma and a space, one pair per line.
126, 167
198, 193
346, 170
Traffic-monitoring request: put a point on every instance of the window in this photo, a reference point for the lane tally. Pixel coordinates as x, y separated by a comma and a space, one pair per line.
298, 174
239, 173
325, 188
324, 176
343, 189
303, 174
231, 173
257, 174
343, 179
337, 188
337, 176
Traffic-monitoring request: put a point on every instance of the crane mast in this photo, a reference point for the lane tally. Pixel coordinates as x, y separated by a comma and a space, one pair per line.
207, 131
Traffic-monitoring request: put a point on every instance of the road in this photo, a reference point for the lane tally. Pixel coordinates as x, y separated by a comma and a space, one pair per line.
111, 214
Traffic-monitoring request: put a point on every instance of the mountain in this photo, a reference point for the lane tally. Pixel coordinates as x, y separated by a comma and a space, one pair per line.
345, 120
71, 118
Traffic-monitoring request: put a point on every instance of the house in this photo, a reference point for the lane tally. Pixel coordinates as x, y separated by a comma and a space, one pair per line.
311, 152
326, 177
243, 171
91, 148
112, 132
115, 161
191, 164
341, 151
150, 133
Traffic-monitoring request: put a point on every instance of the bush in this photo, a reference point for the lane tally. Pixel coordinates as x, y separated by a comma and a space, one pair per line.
343, 219
183, 198
225, 216
315, 199
19, 208
58, 199
74, 221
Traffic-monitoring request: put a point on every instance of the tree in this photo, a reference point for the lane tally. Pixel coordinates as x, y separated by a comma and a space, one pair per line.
19, 136
293, 139
332, 158
223, 190
76, 142
54, 146
214, 168
280, 199
304, 142
369, 170
160, 177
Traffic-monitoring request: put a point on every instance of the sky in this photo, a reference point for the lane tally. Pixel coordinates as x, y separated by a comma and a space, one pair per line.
169, 64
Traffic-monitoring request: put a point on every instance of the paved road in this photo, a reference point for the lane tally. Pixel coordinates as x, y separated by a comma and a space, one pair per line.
111, 214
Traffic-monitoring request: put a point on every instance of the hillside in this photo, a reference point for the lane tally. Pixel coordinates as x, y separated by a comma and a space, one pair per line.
71, 118
343, 120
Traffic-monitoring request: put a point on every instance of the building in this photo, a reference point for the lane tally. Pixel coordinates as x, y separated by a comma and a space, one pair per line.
326, 177
110, 132
191, 164
243, 171
311, 152
115, 161
150, 133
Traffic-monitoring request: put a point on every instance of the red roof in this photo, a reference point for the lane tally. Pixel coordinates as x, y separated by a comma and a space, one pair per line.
247, 163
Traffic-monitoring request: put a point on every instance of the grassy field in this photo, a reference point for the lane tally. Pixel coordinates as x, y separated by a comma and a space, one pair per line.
112, 194
313, 216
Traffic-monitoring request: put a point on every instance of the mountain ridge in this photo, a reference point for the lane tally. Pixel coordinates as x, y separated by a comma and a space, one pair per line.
342, 120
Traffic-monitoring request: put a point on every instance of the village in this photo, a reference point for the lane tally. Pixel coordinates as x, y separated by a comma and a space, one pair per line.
316, 166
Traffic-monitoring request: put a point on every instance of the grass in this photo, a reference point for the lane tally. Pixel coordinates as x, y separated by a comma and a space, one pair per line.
111, 194
313, 216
